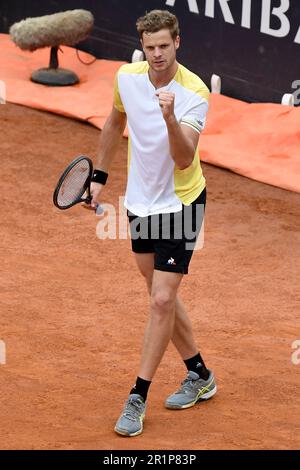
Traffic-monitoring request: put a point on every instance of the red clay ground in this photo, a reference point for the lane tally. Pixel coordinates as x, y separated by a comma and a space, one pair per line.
74, 308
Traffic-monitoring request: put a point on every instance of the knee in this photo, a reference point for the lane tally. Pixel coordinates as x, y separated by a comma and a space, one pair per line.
162, 302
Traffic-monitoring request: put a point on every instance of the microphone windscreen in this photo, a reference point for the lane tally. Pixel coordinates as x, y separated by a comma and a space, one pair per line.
65, 28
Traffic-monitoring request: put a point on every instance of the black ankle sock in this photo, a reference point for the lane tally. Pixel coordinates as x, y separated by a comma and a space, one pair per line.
196, 364
141, 387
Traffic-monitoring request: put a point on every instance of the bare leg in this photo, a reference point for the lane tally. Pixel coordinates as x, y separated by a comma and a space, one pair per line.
161, 322
182, 336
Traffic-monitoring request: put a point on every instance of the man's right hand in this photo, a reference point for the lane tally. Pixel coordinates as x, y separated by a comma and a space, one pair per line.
96, 189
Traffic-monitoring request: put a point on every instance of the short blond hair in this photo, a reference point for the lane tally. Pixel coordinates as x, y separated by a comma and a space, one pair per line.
156, 20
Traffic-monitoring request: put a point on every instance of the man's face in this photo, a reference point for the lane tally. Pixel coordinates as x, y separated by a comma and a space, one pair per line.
160, 49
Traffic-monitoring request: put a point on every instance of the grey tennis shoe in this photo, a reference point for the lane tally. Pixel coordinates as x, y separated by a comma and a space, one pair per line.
193, 389
131, 420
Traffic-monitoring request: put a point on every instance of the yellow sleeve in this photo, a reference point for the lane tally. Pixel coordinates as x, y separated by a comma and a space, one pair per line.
117, 98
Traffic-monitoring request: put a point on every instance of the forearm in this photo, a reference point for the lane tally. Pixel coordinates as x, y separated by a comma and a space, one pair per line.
182, 148
109, 143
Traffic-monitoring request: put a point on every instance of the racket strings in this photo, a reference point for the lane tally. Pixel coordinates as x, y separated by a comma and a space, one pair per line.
74, 184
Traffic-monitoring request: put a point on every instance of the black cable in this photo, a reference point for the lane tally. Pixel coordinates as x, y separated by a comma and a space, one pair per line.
85, 63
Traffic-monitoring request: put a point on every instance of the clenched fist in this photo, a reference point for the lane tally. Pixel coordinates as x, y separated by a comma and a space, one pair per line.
166, 103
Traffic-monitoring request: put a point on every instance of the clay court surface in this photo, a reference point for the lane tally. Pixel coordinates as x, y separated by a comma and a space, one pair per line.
73, 308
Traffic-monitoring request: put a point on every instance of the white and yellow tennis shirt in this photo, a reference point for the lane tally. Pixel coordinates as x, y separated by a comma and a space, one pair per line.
155, 185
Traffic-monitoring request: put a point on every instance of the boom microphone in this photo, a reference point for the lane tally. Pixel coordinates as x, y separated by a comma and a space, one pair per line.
66, 28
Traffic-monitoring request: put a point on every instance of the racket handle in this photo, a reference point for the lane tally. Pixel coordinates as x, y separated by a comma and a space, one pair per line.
86, 204
99, 210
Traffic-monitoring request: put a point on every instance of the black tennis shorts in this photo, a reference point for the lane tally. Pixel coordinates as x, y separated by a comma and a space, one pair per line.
171, 237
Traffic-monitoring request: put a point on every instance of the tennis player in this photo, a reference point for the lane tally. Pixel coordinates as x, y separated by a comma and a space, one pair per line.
165, 106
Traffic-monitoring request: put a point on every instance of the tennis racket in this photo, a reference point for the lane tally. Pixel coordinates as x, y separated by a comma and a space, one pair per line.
73, 186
